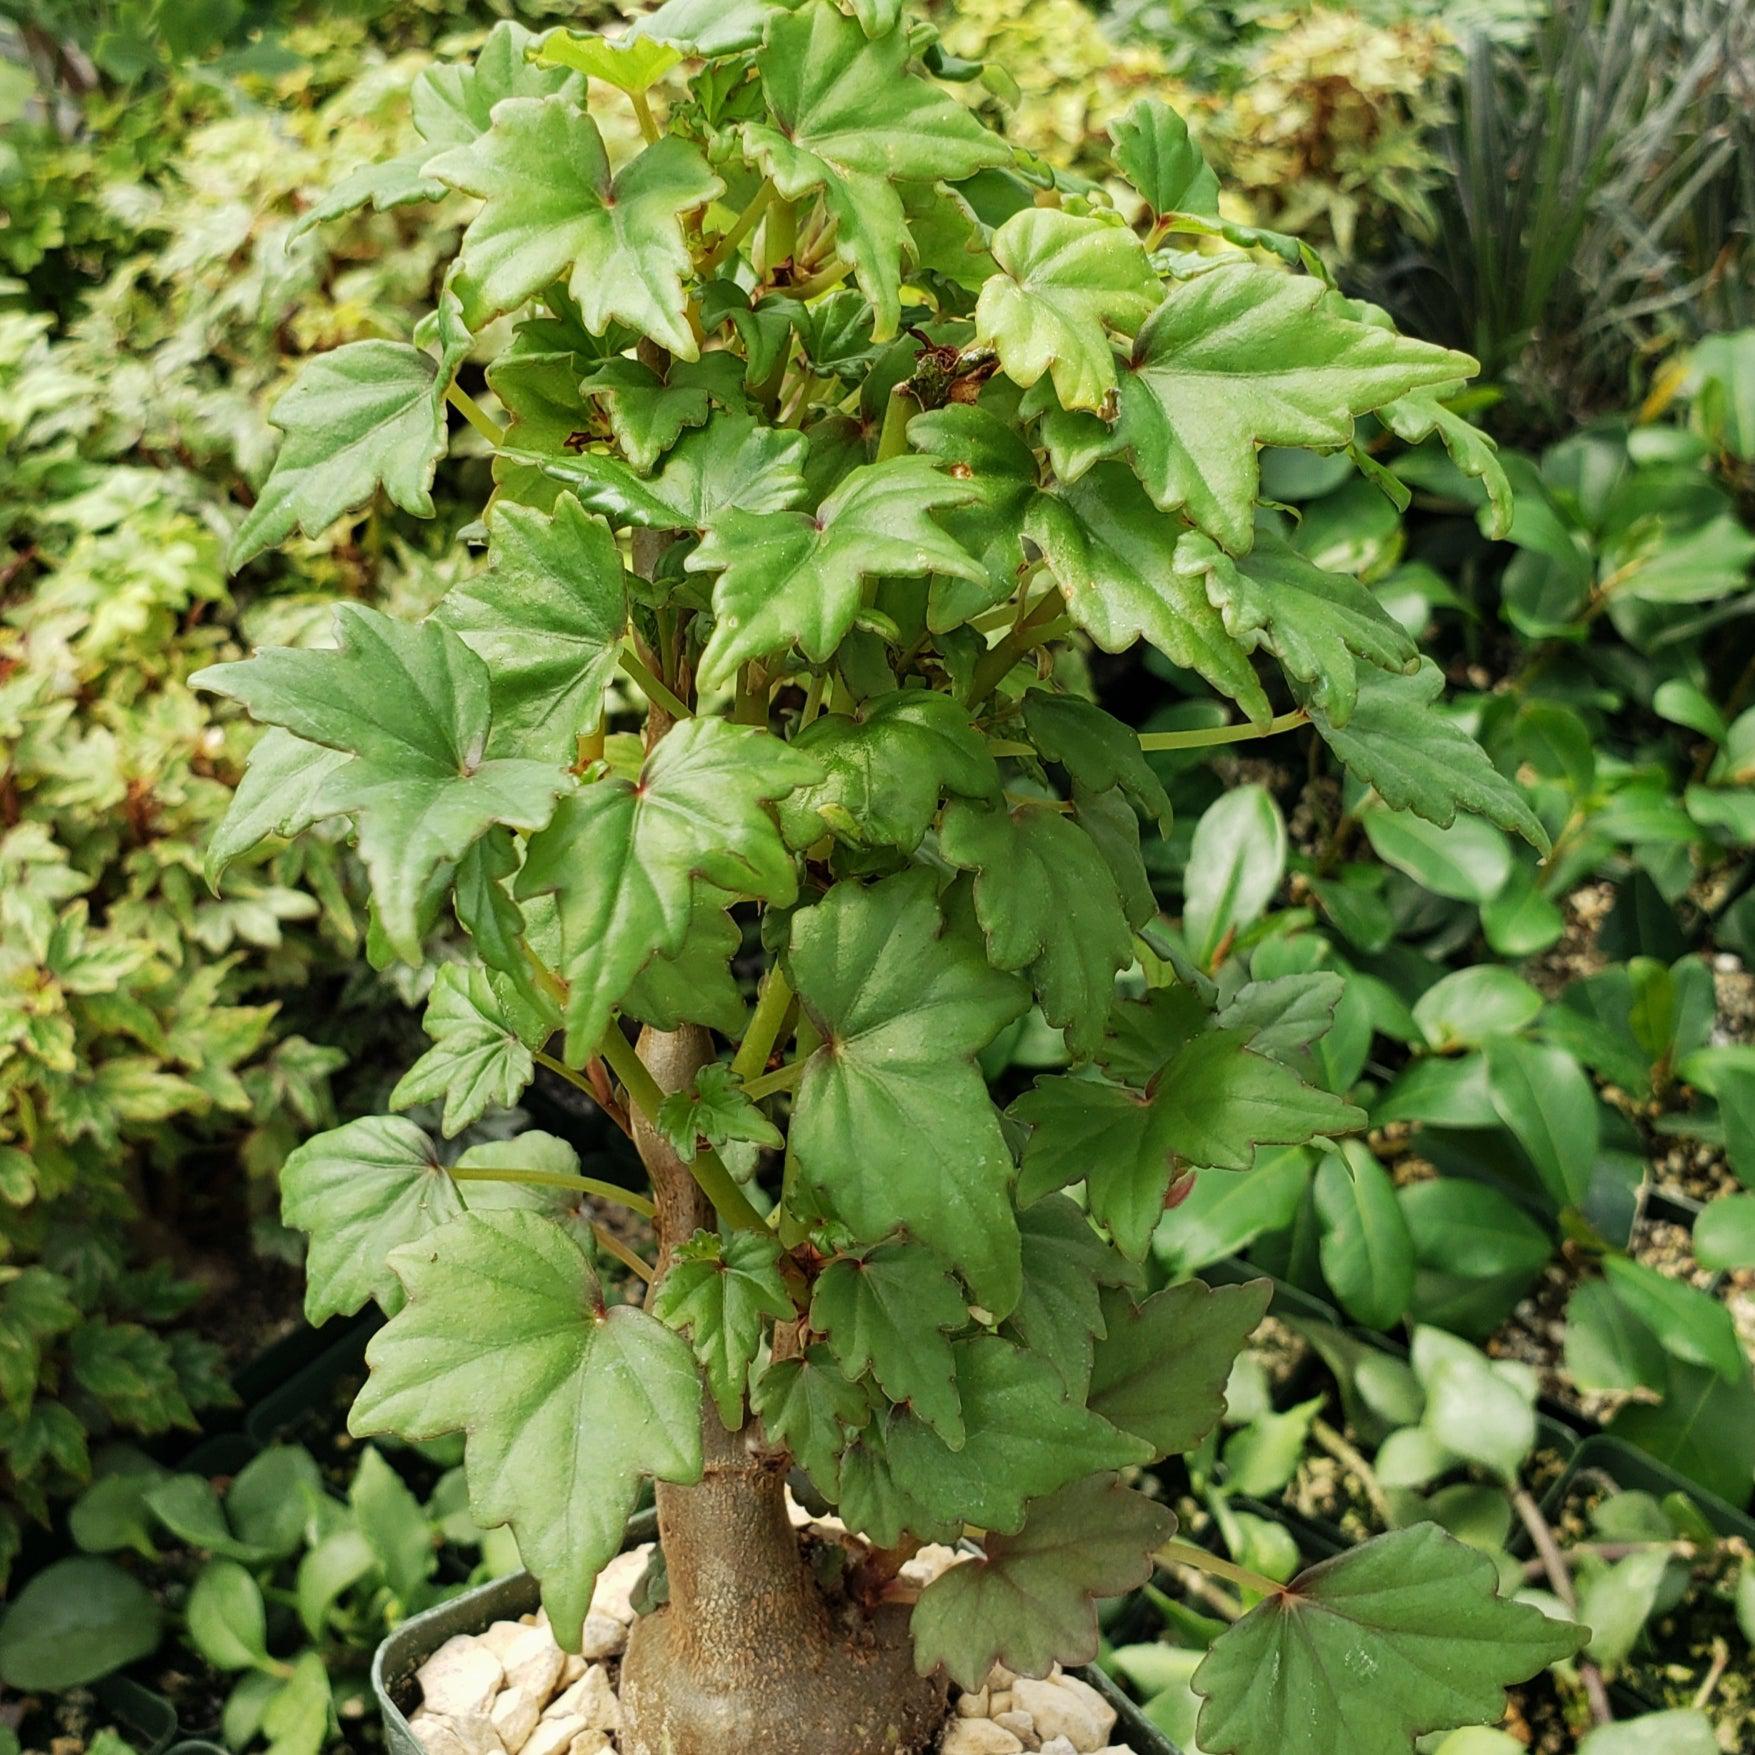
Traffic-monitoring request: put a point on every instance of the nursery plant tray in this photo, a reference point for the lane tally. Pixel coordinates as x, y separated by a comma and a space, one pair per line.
406, 1649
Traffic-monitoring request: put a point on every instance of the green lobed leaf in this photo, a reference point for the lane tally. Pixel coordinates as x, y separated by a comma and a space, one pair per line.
622, 856
1397, 742
410, 703
552, 208
481, 1053
1065, 281
788, 577
851, 120
1112, 553
546, 618
892, 1125
1066, 1265
1154, 152
364, 416
884, 769
1244, 356
1029, 1600
1096, 749
1047, 904
885, 1310
1161, 1368
1402, 1635
807, 1404
283, 780
647, 409
1211, 1105
716, 1110
1316, 623
1025, 1438
358, 1192
567, 1403
720, 1290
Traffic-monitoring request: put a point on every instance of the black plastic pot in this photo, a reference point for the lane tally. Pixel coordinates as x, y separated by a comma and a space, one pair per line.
1287, 1301
1634, 1469
412, 1643
285, 1385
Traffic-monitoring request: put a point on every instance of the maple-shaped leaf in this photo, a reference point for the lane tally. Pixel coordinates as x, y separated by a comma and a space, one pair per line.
1398, 743
358, 1192
884, 769
1112, 553
622, 855
1421, 413
1029, 1601
451, 105
807, 1404
1065, 281
283, 779
552, 209
1211, 1104
1315, 622
631, 64
1095, 748
364, 416
886, 1311
547, 618
410, 702
1154, 152
850, 119
708, 28
696, 984
716, 1110
567, 1403
1160, 1369
874, 1503
647, 409
999, 469
733, 461
481, 1053
1244, 356
720, 1289
497, 927
1047, 904
1066, 1264
787, 577
1402, 1635
1025, 1438
891, 1123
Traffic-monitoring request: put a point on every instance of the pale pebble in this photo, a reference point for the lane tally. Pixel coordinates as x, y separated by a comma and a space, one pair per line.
533, 1662
604, 1636
978, 1736
514, 1716
502, 1636
1021, 1726
591, 1743
572, 1668
932, 1561
554, 1735
592, 1699
613, 1593
462, 1676
1063, 1706
975, 1705
463, 1733
1058, 1746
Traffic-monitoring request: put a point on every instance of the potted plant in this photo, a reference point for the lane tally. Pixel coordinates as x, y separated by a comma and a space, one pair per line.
834, 431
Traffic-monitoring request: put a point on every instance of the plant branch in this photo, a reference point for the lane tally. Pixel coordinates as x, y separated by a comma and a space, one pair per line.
472, 411
996, 666
613, 1245
764, 1031
1221, 734
741, 227
1559, 1576
609, 1191
901, 408
654, 690
820, 282
782, 1078
649, 129
1187, 1554
708, 1169
1351, 1457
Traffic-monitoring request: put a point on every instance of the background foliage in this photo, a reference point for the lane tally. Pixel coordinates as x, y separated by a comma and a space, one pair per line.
1564, 190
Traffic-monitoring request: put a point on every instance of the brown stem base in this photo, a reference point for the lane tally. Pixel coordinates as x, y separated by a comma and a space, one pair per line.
750, 1653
